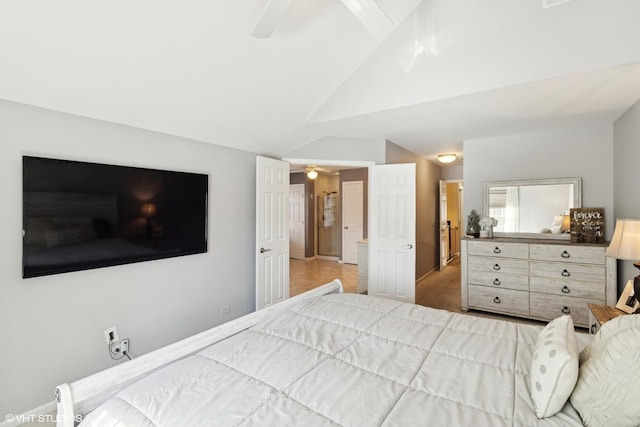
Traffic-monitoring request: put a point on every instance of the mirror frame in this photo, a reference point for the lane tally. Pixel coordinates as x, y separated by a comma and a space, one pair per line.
577, 203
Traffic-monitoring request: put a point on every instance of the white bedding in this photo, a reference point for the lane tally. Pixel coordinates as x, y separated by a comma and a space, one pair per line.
348, 360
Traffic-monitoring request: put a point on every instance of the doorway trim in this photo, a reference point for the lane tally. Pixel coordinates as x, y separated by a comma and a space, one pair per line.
337, 163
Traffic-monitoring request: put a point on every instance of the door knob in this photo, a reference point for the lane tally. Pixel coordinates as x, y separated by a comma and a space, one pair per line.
263, 250
409, 246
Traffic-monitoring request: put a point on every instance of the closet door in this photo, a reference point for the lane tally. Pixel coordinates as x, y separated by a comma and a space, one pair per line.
352, 220
296, 222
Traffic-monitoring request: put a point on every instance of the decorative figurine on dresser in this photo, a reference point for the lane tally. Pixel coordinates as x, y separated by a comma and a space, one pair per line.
473, 224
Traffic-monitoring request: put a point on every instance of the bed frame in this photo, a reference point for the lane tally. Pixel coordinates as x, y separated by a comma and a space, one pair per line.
82, 396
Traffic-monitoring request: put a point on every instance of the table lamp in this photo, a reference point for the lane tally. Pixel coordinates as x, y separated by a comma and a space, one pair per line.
625, 245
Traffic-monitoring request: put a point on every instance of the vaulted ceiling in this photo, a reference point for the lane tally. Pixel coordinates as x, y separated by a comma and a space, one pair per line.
444, 72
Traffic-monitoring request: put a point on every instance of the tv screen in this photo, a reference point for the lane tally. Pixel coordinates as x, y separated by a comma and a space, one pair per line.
79, 215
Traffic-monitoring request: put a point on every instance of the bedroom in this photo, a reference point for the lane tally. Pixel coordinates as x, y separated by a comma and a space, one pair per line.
55, 324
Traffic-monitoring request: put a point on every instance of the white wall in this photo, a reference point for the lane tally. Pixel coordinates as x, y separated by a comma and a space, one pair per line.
580, 151
626, 131
452, 173
52, 328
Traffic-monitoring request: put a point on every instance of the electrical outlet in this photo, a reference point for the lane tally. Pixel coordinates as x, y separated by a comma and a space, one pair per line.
225, 309
124, 345
111, 335
118, 347
115, 348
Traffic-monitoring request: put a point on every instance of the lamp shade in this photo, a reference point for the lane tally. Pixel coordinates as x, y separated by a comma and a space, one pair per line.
625, 243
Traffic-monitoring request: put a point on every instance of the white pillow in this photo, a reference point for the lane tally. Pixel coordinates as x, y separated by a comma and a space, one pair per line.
554, 368
608, 389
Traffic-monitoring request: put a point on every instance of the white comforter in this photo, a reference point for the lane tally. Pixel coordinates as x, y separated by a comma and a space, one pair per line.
347, 360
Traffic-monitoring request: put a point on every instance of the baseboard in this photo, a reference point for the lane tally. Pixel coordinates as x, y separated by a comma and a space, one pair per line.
42, 416
427, 273
328, 258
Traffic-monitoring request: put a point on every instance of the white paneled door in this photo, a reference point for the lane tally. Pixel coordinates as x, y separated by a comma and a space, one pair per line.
392, 231
352, 224
272, 231
296, 221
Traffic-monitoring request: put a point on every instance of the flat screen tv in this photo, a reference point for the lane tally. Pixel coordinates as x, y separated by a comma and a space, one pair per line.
79, 216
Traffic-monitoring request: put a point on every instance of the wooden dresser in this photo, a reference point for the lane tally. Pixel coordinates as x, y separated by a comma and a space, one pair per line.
536, 279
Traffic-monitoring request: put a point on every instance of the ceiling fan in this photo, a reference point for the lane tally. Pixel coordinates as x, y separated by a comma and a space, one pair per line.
366, 11
312, 171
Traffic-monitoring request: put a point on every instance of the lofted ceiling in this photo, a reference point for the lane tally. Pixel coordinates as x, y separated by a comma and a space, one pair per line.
444, 72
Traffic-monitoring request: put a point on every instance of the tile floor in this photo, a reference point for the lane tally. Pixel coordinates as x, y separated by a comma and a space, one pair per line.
308, 274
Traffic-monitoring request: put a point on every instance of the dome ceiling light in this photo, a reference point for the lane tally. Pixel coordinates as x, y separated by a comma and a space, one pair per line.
447, 158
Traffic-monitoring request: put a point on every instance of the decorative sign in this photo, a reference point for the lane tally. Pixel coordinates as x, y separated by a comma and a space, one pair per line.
587, 225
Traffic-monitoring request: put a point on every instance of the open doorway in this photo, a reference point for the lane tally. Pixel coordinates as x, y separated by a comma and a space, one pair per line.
323, 223
324, 206
451, 199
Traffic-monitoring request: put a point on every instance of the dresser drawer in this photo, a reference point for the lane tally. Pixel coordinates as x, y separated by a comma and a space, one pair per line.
497, 249
500, 281
549, 307
557, 272
498, 265
499, 300
591, 290
568, 253
499, 272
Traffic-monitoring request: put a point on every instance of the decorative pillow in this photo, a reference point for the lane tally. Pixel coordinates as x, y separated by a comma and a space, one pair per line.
554, 369
608, 387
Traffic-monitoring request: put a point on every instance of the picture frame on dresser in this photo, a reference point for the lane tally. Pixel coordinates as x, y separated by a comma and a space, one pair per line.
628, 302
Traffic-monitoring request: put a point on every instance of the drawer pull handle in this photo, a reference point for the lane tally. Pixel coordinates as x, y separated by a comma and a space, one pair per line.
565, 254
566, 310
496, 267
594, 329
497, 300
496, 282
497, 250
566, 290
565, 273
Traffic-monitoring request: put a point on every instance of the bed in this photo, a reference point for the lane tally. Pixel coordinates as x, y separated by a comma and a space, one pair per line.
325, 358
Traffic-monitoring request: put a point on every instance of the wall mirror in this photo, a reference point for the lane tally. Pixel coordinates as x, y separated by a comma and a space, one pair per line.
537, 208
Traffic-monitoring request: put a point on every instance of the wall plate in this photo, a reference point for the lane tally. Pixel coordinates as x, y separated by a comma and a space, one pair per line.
113, 332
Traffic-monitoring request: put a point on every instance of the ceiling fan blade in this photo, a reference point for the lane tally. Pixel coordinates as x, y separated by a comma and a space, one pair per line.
370, 15
273, 11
